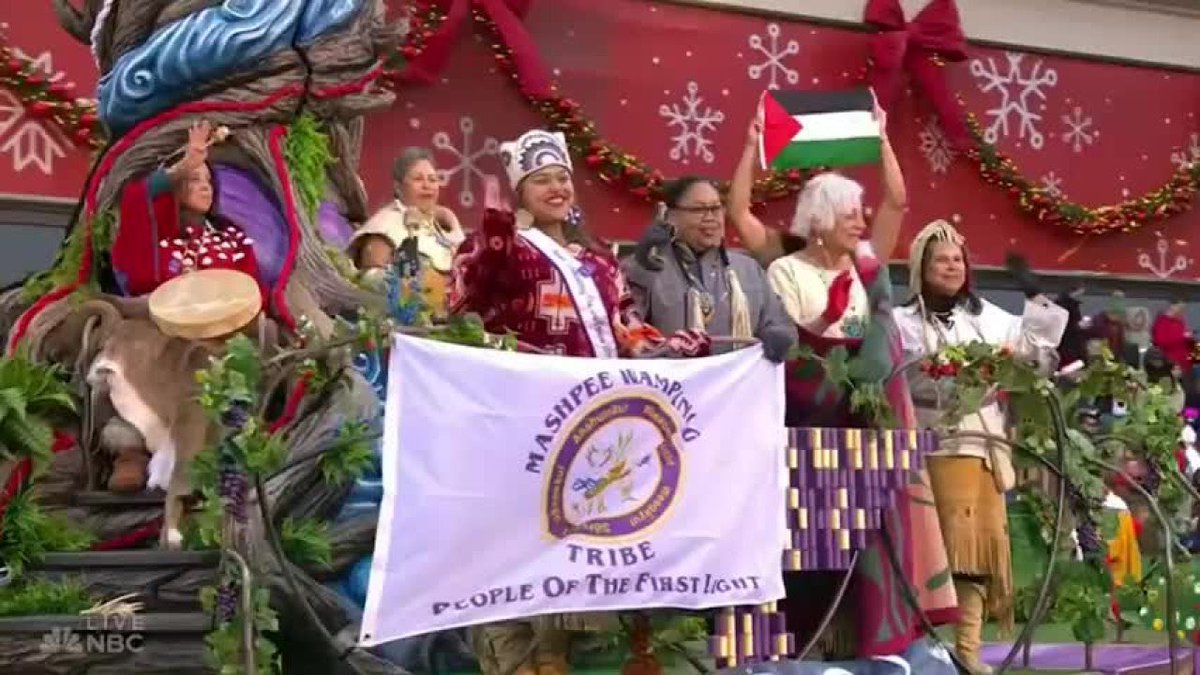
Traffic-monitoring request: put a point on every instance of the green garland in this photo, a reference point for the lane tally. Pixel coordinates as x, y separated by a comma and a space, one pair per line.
231, 393
306, 151
970, 374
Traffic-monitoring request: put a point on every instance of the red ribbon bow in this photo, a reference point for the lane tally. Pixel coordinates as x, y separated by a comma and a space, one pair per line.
910, 47
506, 16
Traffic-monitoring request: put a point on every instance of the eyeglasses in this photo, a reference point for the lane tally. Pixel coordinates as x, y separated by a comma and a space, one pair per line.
707, 209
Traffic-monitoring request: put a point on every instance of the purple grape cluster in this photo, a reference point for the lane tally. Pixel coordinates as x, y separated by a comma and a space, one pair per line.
1085, 531
1089, 539
236, 415
233, 488
227, 602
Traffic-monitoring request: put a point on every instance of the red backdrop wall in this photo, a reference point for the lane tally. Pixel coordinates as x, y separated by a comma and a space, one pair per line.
647, 72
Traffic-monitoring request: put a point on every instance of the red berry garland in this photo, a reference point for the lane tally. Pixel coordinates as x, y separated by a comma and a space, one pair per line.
618, 167
52, 102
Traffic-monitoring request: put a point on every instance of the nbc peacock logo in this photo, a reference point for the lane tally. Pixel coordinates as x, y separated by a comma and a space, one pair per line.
61, 640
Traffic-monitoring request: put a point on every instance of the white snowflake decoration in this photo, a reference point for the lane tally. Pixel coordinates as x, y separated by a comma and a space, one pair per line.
692, 122
1080, 130
27, 140
466, 159
1052, 185
1161, 268
774, 55
1018, 92
935, 147
43, 62
1189, 155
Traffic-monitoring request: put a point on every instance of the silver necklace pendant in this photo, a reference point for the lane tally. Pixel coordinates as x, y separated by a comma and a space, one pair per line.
707, 305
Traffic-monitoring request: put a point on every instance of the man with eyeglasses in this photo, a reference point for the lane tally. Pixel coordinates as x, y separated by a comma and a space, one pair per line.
683, 278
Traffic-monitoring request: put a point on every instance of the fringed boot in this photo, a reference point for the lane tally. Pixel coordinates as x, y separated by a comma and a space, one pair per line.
968, 633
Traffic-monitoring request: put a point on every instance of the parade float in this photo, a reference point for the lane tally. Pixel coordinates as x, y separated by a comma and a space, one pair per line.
271, 568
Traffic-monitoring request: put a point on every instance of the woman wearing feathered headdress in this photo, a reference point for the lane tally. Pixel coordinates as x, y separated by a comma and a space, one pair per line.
969, 476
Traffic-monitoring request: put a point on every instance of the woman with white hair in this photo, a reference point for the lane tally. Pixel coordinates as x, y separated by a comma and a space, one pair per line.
835, 288
822, 266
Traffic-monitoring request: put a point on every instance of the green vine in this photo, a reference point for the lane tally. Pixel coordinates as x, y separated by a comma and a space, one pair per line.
232, 393
66, 269
306, 151
224, 643
964, 378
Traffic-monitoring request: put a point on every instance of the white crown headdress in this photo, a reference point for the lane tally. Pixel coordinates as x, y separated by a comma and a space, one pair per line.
534, 150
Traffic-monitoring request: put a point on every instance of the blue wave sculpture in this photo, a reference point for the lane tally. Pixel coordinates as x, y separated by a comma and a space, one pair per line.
204, 46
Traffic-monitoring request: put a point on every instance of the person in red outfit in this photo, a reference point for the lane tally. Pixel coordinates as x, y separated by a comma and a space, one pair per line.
168, 224
1171, 334
541, 275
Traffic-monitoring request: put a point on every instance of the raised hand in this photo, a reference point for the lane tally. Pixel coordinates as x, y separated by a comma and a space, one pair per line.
195, 152
838, 300
756, 128
493, 196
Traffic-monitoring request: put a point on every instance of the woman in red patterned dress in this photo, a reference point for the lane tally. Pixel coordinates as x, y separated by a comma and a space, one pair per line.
539, 274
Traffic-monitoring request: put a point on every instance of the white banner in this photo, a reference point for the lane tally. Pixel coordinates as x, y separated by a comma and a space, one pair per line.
522, 484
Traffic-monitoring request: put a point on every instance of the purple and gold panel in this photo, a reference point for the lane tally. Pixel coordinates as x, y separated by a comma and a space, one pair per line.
841, 482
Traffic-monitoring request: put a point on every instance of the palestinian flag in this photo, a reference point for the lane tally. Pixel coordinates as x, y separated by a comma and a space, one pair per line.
808, 129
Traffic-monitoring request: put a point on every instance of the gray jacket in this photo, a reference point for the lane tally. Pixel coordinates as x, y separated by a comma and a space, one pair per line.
662, 296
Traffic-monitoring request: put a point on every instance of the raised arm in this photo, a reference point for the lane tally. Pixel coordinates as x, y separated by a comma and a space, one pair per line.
1034, 336
762, 242
885, 230
482, 260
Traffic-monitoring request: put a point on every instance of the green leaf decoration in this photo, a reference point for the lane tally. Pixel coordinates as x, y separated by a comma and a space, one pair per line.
306, 151
1186, 588
1029, 538
39, 597
29, 533
306, 542
351, 456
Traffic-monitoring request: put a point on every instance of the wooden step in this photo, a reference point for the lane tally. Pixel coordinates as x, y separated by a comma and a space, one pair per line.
132, 643
103, 499
143, 623
132, 558
165, 581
